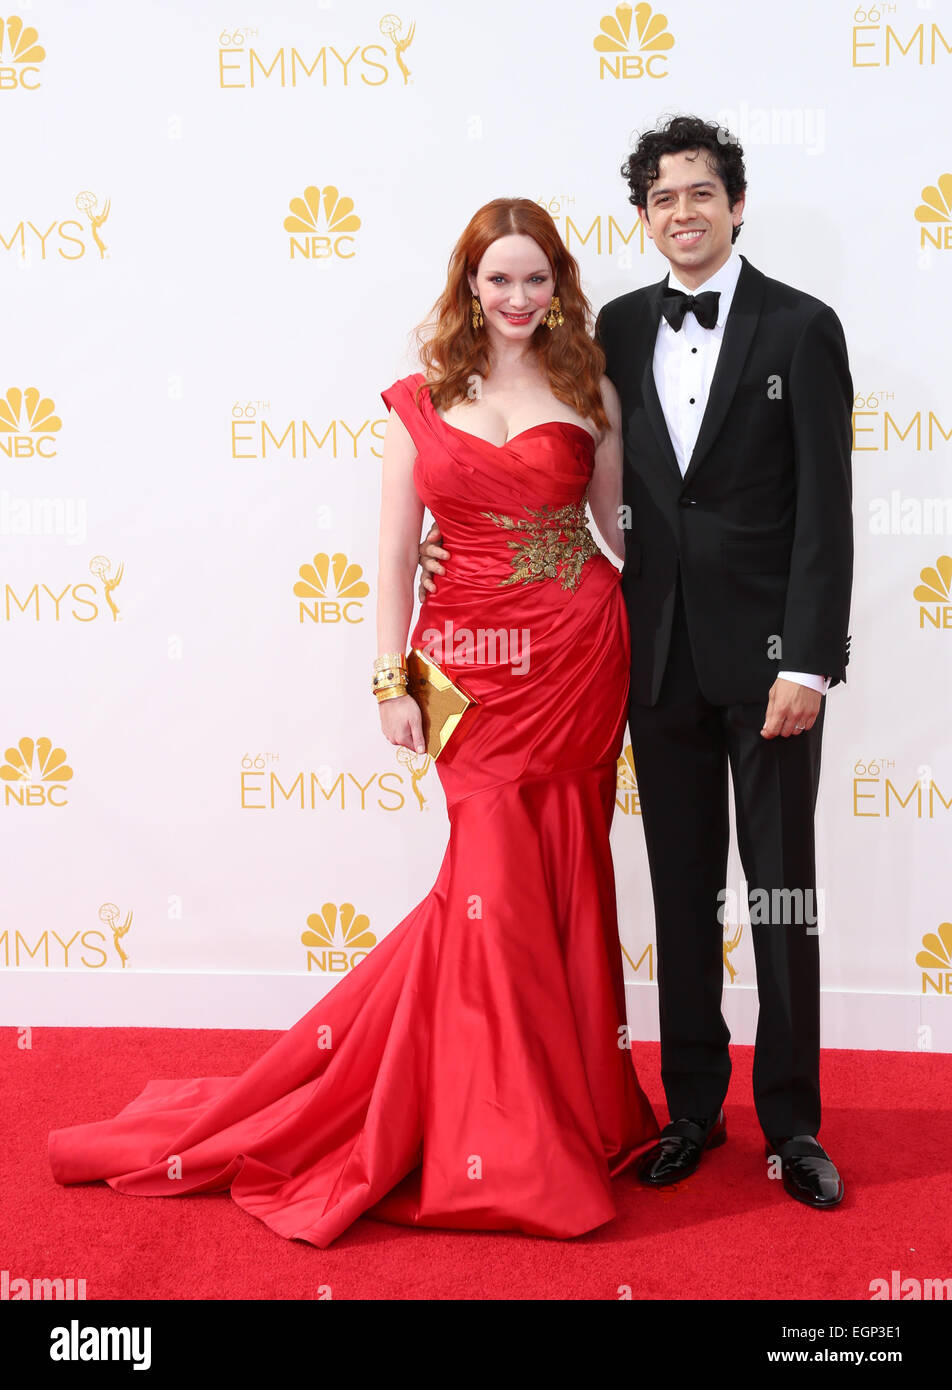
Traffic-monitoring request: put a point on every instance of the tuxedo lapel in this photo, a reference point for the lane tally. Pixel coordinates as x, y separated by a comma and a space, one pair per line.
644, 354
738, 334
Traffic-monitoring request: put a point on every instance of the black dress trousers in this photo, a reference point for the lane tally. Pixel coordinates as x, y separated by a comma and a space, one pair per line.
682, 747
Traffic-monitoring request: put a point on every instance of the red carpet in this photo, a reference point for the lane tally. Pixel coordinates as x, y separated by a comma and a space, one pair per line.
728, 1232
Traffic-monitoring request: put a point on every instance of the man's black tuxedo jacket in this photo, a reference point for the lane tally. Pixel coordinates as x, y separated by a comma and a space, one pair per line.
760, 526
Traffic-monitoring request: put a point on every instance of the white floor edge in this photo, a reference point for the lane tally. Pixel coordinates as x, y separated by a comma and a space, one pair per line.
50, 999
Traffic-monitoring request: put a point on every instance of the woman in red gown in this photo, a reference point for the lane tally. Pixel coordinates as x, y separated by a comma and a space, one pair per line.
473, 1070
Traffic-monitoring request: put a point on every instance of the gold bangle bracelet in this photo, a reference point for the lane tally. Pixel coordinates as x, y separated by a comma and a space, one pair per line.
391, 693
390, 659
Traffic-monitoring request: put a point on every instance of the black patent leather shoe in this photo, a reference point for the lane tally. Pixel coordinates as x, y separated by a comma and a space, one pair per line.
808, 1172
679, 1150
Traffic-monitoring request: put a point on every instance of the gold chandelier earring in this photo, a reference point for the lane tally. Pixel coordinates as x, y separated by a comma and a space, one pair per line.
554, 317
477, 313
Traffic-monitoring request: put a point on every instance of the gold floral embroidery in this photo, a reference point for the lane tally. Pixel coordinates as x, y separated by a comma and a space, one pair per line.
554, 539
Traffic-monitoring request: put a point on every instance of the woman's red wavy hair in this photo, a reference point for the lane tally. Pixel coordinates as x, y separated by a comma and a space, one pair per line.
452, 351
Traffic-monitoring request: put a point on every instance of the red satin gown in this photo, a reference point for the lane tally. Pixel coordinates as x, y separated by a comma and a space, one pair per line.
478, 1075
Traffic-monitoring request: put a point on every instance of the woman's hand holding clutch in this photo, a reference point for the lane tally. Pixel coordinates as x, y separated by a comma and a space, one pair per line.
402, 723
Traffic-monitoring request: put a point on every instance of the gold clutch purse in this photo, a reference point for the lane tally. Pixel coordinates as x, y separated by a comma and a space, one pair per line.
442, 704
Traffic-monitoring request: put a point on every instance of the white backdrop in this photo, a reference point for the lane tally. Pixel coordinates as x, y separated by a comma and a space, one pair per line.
190, 416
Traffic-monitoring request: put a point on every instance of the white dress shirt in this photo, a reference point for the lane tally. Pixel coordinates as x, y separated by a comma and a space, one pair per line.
684, 365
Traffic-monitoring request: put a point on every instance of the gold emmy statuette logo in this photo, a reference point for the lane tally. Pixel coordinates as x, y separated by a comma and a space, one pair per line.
341, 937
626, 784
23, 415
109, 915
264, 788
51, 603
344, 63
338, 218
315, 586
936, 208
730, 944
35, 771
933, 594
19, 55
418, 765
99, 566
937, 956
652, 37
87, 202
390, 27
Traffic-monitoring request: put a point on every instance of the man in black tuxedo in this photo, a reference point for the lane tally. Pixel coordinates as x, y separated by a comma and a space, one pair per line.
735, 402
735, 398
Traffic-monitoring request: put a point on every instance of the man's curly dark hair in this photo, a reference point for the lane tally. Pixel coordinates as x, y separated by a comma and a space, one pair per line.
724, 157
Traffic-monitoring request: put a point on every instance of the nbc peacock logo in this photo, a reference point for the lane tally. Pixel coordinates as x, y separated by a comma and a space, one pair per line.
321, 225
934, 594
935, 960
20, 56
331, 589
28, 424
337, 939
626, 784
34, 773
624, 54
934, 214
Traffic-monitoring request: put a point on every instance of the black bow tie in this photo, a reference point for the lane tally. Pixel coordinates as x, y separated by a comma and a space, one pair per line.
675, 304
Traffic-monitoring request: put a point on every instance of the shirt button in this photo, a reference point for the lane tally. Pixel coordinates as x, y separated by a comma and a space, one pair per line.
692, 400
694, 349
